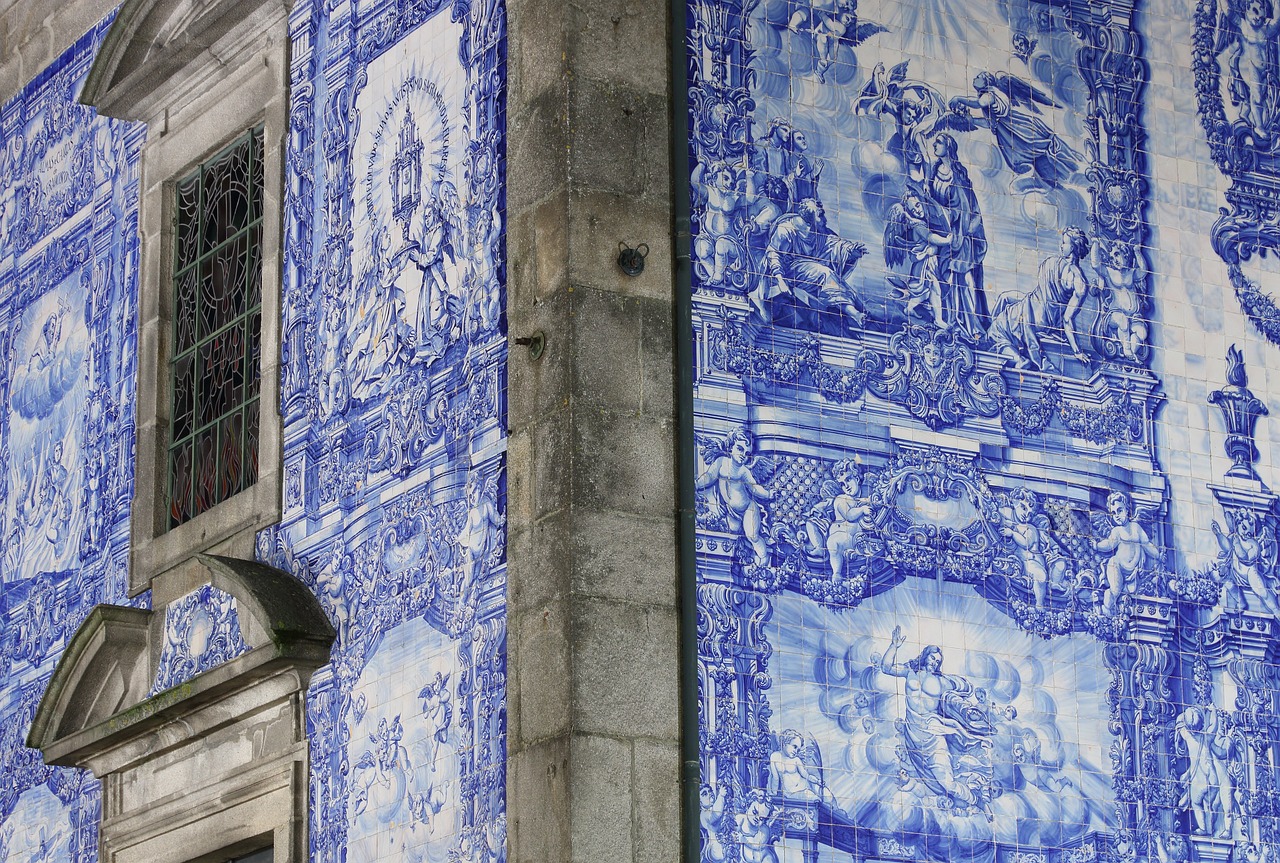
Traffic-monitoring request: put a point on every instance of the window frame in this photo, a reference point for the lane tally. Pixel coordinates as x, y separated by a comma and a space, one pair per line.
210, 115
249, 238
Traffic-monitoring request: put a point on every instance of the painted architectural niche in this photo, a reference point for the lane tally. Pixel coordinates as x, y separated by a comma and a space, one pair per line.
939, 617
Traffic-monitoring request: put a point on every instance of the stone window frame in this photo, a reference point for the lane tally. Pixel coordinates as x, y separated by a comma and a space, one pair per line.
199, 75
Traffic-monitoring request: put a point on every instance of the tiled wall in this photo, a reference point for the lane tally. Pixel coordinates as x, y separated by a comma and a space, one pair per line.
986, 555
393, 396
68, 293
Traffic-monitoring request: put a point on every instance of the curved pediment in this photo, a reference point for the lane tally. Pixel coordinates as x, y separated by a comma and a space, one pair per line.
149, 52
97, 699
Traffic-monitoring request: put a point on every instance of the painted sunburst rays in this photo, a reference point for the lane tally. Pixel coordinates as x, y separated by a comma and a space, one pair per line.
1035, 753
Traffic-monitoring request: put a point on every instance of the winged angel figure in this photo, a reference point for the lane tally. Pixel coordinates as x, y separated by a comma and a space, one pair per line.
917, 109
1025, 141
832, 23
1247, 34
1247, 561
1128, 545
795, 769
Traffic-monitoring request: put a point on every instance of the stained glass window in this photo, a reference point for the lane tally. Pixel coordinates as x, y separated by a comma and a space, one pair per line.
217, 320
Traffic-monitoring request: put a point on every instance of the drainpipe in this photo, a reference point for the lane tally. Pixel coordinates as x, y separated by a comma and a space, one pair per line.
685, 459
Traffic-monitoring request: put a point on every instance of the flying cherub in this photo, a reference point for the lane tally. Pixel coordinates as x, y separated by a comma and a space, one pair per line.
916, 108
831, 23
437, 712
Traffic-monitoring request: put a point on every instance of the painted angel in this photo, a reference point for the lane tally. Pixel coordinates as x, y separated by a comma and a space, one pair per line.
795, 769
731, 470
382, 771
1121, 279
722, 192
916, 109
1247, 40
437, 712
837, 522
1247, 560
481, 533
1206, 738
1024, 523
832, 23
1128, 545
915, 236
1010, 108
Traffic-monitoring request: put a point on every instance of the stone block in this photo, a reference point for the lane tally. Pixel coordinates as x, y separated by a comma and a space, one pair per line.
627, 461
657, 357
600, 220
600, 798
606, 348
540, 561
656, 801
625, 676
538, 832
538, 387
542, 671
536, 144
625, 557
623, 39
619, 139
552, 440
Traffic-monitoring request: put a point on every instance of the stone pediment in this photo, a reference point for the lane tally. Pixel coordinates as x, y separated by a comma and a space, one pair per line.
96, 712
148, 58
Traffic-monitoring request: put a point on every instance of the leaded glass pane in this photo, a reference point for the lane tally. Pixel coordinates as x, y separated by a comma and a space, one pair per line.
187, 205
184, 397
206, 469
217, 323
251, 444
230, 453
180, 485
254, 268
226, 195
184, 312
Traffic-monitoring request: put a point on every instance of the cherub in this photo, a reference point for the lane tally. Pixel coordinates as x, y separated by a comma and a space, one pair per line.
915, 236
1248, 559
918, 111
712, 802
384, 767
329, 582
1022, 521
791, 775
1129, 546
482, 530
1121, 279
838, 521
437, 712
1251, 57
755, 829
833, 22
738, 491
716, 244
